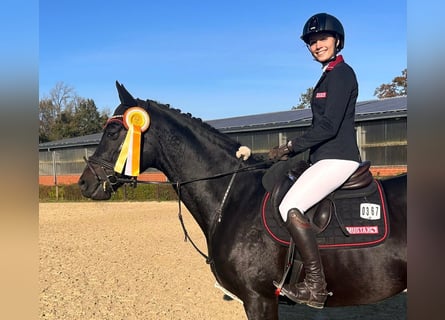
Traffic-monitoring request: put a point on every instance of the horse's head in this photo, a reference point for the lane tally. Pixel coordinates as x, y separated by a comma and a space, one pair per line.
179, 145
105, 172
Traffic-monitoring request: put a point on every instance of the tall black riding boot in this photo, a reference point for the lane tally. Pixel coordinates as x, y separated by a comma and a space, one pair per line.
312, 291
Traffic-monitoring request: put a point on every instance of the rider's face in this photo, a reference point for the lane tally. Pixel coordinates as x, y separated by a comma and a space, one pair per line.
322, 46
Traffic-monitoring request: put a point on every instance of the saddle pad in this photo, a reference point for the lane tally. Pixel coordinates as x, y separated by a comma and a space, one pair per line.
365, 217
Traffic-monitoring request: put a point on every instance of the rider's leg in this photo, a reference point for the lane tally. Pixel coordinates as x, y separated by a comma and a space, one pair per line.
313, 185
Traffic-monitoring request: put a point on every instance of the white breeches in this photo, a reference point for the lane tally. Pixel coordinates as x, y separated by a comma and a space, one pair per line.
319, 180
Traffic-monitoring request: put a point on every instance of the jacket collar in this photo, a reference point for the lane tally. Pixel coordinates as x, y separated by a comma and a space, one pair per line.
338, 59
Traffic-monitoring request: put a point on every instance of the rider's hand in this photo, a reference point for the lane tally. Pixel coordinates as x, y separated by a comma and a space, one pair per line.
279, 152
244, 152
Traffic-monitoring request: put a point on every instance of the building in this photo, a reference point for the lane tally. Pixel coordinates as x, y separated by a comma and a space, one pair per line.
381, 133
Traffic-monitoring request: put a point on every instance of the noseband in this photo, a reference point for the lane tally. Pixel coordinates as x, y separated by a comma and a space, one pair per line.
107, 180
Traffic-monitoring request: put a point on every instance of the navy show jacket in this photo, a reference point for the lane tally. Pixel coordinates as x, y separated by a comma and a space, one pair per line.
332, 134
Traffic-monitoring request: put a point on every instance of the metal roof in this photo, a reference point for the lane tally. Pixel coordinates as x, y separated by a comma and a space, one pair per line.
91, 139
264, 120
382, 109
366, 110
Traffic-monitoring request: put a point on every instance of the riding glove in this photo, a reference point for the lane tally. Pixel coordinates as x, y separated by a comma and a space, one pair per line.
280, 152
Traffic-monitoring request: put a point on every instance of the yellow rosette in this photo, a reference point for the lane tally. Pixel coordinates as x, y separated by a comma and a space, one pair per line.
136, 120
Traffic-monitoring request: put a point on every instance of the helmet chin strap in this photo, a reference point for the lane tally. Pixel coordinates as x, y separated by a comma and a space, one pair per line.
336, 51
325, 63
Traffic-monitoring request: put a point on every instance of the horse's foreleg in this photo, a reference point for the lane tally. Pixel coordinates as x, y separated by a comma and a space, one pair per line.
261, 308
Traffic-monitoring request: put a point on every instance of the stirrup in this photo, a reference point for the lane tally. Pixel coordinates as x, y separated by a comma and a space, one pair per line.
287, 267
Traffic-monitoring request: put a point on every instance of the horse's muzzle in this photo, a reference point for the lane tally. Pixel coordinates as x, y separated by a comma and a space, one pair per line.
98, 180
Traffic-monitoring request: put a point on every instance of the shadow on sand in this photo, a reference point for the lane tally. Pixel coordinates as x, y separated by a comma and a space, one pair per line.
393, 308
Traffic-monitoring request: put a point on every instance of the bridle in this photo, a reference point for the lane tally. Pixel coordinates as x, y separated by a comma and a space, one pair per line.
108, 181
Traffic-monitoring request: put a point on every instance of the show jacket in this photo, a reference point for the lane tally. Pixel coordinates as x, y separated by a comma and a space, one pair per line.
332, 134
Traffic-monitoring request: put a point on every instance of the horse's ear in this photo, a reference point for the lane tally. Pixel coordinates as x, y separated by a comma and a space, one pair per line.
125, 97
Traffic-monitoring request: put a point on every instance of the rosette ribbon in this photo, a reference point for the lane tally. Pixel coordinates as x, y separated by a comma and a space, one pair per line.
136, 120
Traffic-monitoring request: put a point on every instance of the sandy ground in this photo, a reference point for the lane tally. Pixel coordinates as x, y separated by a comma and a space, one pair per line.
104, 260
109, 261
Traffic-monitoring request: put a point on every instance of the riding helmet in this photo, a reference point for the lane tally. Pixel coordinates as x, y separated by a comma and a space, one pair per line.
323, 22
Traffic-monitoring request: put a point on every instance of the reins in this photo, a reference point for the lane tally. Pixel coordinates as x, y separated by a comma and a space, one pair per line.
113, 179
221, 206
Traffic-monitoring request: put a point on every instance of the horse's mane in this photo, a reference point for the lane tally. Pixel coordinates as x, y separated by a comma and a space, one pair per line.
196, 121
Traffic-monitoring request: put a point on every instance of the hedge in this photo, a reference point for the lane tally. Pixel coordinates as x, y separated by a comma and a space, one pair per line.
143, 192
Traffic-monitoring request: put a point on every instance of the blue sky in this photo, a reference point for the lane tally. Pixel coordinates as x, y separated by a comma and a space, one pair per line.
213, 59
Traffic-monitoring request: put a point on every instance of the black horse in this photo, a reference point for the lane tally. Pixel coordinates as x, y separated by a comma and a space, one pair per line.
243, 258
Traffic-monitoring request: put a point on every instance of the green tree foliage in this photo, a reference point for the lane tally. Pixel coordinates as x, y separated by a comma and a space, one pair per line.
47, 116
305, 100
65, 115
87, 119
398, 87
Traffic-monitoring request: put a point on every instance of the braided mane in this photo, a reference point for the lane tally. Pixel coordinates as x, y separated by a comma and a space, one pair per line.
147, 103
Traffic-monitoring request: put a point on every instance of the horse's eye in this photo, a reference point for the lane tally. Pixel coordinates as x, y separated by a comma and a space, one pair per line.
112, 132
113, 135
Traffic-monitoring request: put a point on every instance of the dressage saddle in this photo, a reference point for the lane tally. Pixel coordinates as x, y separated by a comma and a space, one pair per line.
320, 215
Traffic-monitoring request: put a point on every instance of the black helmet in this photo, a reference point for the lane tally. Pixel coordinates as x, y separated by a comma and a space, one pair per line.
323, 22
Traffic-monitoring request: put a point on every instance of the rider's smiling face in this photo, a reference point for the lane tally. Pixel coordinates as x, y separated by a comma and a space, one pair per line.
322, 46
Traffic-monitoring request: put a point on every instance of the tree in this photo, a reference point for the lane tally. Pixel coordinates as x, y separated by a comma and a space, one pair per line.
87, 119
398, 87
65, 115
63, 126
62, 97
46, 119
305, 99
54, 112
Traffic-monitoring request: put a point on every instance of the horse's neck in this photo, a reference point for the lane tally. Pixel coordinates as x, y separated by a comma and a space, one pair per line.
195, 158
198, 154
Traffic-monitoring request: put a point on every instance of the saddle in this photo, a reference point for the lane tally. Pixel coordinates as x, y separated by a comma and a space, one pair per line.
320, 215
360, 178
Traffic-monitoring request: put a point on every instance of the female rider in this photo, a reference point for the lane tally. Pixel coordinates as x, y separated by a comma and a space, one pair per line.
333, 151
